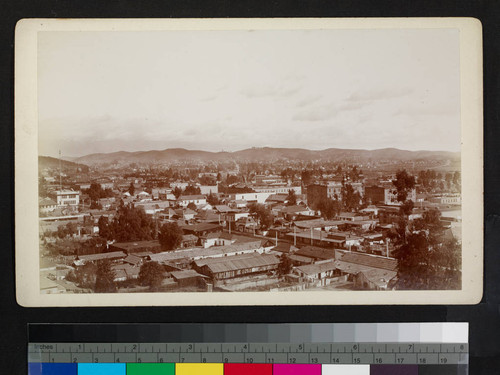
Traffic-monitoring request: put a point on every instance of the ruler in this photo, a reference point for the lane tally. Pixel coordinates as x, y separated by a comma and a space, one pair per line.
305, 353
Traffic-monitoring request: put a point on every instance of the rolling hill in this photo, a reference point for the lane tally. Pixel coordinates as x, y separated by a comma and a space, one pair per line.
267, 154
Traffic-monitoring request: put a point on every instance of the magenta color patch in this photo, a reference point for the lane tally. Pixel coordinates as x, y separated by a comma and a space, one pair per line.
300, 369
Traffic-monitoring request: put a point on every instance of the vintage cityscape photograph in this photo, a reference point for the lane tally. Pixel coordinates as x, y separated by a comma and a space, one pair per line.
249, 160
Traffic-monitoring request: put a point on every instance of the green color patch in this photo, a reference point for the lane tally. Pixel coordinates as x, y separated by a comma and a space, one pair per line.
150, 369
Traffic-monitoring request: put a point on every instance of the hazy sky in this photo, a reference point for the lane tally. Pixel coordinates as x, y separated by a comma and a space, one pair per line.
230, 90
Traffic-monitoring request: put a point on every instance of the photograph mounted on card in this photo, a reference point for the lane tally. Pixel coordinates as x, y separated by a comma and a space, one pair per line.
248, 162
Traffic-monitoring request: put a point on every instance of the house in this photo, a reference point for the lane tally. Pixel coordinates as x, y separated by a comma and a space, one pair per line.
185, 214
285, 247
316, 253
94, 258
386, 194
198, 200
318, 224
316, 238
201, 229
293, 212
222, 209
125, 272
67, 197
367, 271
277, 199
216, 239
187, 278
46, 205
189, 240
153, 207
231, 267
187, 256
316, 271
134, 247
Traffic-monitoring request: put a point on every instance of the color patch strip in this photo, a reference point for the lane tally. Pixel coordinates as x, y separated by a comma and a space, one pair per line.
345, 370
52, 369
101, 369
199, 369
296, 369
247, 369
150, 369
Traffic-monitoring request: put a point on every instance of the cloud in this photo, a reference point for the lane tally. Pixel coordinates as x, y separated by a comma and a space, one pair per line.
282, 90
308, 100
379, 94
326, 112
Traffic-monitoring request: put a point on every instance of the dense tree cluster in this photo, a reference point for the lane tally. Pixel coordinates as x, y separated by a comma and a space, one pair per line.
129, 224
427, 259
170, 236
431, 181
104, 278
329, 208
151, 274
263, 214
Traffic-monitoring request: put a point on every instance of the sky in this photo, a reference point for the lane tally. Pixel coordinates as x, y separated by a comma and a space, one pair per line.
230, 90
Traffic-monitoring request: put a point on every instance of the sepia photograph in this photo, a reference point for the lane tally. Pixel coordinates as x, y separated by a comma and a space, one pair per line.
248, 162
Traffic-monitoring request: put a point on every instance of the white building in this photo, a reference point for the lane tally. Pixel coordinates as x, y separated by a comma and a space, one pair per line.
67, 197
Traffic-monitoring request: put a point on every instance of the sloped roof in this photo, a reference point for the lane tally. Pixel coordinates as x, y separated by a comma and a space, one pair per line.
185, 274
102, 256
316, 252
237, 263
200, 253
369, 260
191, 197
312, 269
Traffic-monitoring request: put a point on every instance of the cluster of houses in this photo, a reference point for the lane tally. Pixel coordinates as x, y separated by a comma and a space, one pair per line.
224, 246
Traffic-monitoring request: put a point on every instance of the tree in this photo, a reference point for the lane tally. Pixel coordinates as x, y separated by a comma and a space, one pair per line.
285, 265
105, 228
329, 208
132, 224
306, 177
192, 190
151, 274
105, 277
291, 198
212, 199
403, 183
351, 199
263, 214
192, 206
84, 276
177, 192
131, 188
170, 236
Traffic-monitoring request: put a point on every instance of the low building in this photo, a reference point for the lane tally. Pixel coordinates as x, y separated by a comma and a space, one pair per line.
201, 229
231, 267
67, 197
316, 271
46, 205
185, 200
367, 271
187, 278
133, 247
386, 195
94, 258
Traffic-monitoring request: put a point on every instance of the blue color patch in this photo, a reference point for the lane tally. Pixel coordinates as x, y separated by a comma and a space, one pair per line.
102, 369
52, 368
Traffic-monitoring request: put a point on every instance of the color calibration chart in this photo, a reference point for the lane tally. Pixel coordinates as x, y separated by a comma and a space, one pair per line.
244, 349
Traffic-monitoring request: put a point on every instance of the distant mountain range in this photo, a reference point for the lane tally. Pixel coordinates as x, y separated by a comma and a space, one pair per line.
267, 154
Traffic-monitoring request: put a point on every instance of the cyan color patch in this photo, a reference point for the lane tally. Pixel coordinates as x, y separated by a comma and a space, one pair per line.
102, 369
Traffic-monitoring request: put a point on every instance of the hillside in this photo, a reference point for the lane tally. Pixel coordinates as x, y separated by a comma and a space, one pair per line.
262, 154
53, 163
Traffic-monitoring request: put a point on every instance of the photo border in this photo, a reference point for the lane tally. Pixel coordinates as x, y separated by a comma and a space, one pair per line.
26, 165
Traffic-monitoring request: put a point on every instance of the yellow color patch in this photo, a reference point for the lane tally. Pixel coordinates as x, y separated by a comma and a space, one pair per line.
199, 369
